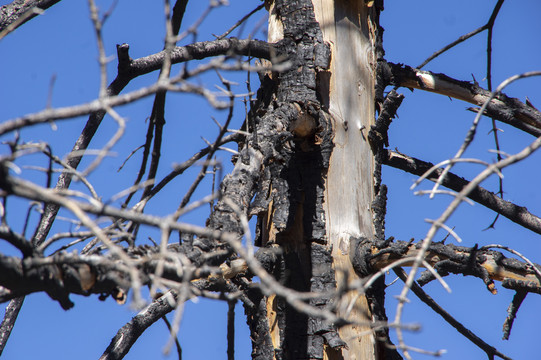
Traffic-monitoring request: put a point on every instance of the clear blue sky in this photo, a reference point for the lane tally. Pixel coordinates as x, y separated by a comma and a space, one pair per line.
61, 43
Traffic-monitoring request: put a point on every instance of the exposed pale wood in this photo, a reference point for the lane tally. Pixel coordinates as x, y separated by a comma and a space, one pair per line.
349, 85
349, 186
276, 29
273, 320
516, 113
491, 262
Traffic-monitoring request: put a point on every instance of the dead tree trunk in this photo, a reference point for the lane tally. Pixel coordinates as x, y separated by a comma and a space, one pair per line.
319, 188
350, 186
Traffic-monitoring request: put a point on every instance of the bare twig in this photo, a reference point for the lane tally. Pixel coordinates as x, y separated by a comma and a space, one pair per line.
512, 313
12, 311
424, 297
459, 198
244, 18
231, 330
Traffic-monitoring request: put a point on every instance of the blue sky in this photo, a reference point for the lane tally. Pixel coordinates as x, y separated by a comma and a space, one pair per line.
61, 43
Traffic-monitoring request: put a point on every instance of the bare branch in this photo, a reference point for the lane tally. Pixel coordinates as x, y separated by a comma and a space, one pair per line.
505, 109
12, 311
424, 297
20, 11
129, 333
485, 264
489, 25
512, 313
241, 21
515, 213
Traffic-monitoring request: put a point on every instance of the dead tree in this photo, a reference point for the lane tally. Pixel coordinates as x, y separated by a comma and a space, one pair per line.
308, 168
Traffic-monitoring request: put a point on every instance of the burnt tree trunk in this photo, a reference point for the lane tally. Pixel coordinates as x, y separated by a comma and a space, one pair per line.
320, 182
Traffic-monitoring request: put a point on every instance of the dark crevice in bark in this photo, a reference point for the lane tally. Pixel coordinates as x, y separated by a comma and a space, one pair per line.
293, 132
262, 347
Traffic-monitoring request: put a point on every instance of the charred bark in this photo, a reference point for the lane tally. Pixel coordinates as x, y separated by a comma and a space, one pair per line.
294, 133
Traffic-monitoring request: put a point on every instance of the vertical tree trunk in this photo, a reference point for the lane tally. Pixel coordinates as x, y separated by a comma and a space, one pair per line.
318, 188
349, 26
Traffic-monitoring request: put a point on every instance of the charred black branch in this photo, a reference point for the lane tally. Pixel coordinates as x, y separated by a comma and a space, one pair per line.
64, 274
131, 69
378, 138
17, 240
487, 265
515, 213
11, 313
20, 11
378, 134
503, 108
361, 256
424, 297
379, 209
522, 285
237, 189
178, 14
512, 313
129, 333
60, 276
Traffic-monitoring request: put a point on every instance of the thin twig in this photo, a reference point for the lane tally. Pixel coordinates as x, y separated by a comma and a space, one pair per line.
244, 18
424, 297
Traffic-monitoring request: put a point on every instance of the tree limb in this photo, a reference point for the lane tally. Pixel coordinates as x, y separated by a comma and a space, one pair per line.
65, 273
515, 213
488, 265
20, 11
129, 69
424, 297
196, 51
12, 311
129, 333
505, 109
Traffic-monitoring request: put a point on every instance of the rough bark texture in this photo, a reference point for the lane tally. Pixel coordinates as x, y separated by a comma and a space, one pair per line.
20, 11
485, 264
293, 131
503, 108
319, 186
312, 159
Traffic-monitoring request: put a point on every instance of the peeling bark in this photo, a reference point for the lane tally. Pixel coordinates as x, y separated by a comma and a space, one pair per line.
294, 134
351, 188
319, 185
487, 265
